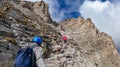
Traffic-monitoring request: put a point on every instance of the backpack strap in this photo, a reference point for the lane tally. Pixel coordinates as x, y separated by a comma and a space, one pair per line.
33, 55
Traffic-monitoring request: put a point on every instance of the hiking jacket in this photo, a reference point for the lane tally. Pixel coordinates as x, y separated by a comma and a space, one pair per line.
39, 55
64, 38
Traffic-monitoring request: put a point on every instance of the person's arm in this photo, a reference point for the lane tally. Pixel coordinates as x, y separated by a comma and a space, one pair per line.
39, 57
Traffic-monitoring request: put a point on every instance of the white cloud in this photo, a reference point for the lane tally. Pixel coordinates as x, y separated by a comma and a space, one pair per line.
59, 15
105, 15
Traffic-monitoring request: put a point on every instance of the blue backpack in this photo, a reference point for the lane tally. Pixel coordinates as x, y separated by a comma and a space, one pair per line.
25, 58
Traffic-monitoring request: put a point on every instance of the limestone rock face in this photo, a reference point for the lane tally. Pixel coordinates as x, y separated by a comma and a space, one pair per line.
19, 22
96, 49
86, 45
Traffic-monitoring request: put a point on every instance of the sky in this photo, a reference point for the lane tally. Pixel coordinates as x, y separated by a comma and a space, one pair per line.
105, 14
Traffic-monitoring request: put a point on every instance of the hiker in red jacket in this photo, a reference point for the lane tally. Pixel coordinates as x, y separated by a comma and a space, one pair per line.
65, 41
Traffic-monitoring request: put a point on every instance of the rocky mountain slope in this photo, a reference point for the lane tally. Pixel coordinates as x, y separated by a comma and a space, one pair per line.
19, 22
96, 49
86, 47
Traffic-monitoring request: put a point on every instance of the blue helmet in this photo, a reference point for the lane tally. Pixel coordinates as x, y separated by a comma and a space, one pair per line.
37, 40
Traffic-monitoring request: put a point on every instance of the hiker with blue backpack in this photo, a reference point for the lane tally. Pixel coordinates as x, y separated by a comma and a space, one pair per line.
31, 56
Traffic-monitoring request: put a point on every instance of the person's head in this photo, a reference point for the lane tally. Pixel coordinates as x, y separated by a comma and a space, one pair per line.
37, 40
